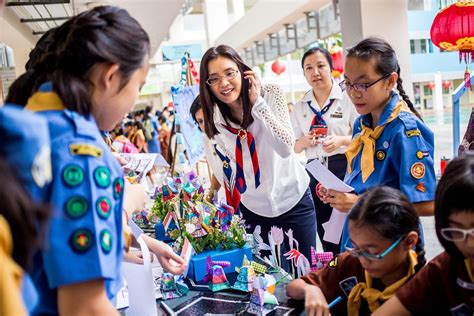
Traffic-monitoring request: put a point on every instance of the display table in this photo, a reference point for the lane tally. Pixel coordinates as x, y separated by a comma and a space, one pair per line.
231, 302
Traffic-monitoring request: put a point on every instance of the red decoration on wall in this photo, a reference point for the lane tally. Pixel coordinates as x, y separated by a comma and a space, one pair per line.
337, 61
278, 67
430, 85
446, 84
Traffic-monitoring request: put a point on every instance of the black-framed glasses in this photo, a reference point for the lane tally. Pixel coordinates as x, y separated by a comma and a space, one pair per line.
368, 255
456, 234
359, 87
228, 75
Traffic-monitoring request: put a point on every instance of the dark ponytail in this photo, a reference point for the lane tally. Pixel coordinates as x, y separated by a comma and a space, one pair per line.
404, 96
388, 211
420, 253
386, 62
26, 219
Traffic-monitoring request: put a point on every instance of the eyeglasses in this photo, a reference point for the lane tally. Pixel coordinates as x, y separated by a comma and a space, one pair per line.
456, 234
228, 75
359, 87
368, 255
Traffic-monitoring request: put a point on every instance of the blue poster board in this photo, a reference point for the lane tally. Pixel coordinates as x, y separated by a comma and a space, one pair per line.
183, 97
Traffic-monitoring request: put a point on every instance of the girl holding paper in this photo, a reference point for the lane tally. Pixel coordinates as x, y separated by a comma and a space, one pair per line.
383, 228
391, 145
323, 108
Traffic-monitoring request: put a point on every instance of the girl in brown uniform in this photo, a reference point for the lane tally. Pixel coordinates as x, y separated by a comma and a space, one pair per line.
446, 285
383, 228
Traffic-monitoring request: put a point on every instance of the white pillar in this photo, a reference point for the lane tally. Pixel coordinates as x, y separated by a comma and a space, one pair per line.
438, 92
387, 19
238, 9
290, 75
215, 19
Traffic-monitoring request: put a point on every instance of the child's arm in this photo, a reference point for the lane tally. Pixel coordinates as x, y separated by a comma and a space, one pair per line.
393, 307
314, 301
424, 208
91, 295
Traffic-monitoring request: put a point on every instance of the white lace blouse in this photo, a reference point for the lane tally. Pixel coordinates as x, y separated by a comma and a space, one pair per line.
283, 180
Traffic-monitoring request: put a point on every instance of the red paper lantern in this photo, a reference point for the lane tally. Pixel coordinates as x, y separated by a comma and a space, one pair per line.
430, 85
337, 61
278, 67
446, 84
453, 29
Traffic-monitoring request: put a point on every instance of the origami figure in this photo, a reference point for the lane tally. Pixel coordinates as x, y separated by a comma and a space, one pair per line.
216, 276
172, 288
244, 279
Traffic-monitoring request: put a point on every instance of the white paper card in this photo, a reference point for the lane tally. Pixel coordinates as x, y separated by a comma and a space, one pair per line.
141, 290
328, 179
332, 228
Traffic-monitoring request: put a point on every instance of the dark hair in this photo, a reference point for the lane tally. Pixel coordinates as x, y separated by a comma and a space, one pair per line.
26, 219
314, 50
104, 34
208, 99
387, 211
454, 194
196, 106
37, 67
138, 125
386, 62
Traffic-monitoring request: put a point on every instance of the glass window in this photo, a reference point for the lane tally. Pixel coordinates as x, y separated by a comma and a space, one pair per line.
430, 46
427, 90
423, 46
412, 46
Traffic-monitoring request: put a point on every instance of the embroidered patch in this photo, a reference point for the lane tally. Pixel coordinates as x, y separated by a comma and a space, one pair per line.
420, 154
102, 176
421, 187
103, 207
346, 285
73, 175
417, 170
333, 263
85, 150
81, 240
118, 188
106, 241
380, 155
41, 167
76, 207
413, 132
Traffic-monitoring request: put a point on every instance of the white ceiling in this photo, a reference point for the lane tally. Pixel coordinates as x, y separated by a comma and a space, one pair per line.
156, 16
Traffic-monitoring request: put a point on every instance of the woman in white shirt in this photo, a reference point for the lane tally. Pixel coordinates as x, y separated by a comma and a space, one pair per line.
251, 125
323, 108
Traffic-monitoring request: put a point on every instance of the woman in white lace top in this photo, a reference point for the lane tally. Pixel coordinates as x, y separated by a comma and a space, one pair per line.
250, 127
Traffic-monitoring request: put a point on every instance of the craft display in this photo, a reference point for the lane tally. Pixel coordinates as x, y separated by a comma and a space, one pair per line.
172, 286
215, 276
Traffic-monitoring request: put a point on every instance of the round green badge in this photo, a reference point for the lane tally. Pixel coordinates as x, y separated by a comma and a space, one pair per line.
104, 207
102, 176
81, 240
106, 241
118, 188
73, 175
76, 207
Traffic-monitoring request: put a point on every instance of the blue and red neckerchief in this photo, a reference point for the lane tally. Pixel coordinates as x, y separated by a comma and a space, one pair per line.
231, 193
318, 117
243, 134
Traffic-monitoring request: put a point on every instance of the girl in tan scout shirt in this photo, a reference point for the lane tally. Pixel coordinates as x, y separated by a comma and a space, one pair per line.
446, 285
383, 228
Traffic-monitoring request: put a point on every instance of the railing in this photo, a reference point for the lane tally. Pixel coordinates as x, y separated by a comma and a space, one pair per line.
456, 95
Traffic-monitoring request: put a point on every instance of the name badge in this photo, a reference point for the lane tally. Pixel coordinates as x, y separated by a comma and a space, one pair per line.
336, 115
